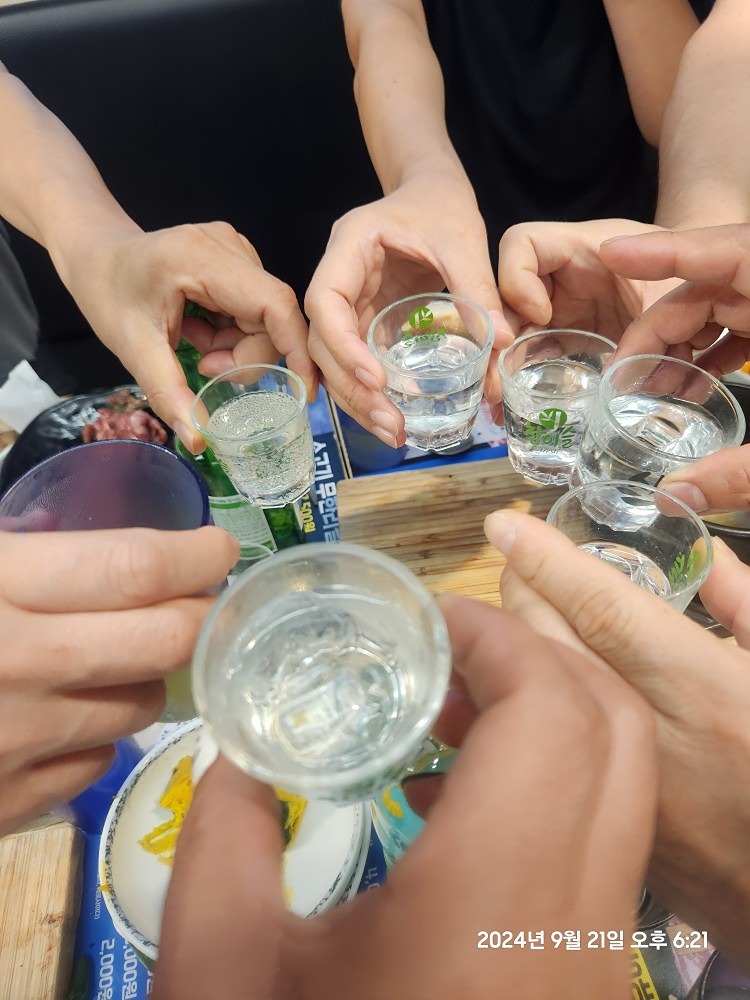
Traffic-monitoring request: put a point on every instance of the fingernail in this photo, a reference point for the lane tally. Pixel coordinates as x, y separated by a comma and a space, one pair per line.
366, 378
689, 494
721, 549
500, 531
500, 324
384, 436
385, 421
614, 239
537, 313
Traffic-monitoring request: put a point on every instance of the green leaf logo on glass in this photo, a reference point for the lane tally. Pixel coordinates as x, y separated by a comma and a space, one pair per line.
420, 325
552, 431
685, 569
420, 318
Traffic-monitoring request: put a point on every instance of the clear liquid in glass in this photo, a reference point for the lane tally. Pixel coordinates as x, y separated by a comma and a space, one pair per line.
668, 433
321, 681
543, 444
639, 568
439, 410
278, 469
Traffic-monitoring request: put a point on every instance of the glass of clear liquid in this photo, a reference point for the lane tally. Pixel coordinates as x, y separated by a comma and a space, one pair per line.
435, 349
549, 381
652, 415
256, 421
322, 670
648, 535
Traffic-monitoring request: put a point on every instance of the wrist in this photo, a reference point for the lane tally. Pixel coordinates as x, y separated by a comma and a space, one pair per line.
703, 204
444, 164
77, 246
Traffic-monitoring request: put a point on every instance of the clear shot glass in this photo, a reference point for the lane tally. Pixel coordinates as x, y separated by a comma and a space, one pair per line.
648, 535
549, 380
435, 350
256, 421
652, 415
321, 670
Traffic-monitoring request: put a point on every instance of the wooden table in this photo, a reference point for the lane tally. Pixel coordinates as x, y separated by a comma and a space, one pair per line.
431, 520
40, 885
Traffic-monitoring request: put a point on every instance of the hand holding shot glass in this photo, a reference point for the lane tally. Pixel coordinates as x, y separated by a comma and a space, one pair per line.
256, 421
652, 415
435, 349
549, 381
645, 533
322, 670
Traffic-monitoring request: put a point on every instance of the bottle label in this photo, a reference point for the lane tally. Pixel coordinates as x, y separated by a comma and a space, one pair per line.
248, 524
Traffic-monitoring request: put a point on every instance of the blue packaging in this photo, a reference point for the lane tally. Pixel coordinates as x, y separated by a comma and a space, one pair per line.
319, 508
105, 967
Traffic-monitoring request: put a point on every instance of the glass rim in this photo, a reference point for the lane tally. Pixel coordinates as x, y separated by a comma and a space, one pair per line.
632, 439
40, 467
526, 337
317, 784
648, 490
122, 920
484, 351
259, 435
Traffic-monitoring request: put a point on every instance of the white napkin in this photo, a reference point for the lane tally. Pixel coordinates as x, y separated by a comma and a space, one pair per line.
23, 396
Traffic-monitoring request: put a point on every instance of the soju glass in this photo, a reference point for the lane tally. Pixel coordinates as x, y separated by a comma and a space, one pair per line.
322, 670
549, 381
652, 415
255, 419
645, 533
435, 350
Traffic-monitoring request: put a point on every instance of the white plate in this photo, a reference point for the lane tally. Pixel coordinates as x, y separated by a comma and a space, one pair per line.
320, 866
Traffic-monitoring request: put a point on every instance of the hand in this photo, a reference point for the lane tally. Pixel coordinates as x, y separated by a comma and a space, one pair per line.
550, 273
718, 482
699, 688
426, 236
92, 622
132, 288
716, 263
523, 837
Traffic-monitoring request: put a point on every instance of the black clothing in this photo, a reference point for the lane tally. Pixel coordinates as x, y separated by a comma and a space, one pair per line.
539, 113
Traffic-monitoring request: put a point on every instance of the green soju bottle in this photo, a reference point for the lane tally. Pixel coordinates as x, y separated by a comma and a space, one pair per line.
258, 531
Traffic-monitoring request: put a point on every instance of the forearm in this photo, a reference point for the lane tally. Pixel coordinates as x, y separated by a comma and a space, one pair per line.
49, 188
705, 146
398, 87
650, 36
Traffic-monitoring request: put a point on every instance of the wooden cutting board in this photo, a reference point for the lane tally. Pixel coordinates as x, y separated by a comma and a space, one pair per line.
431, 519
40, 884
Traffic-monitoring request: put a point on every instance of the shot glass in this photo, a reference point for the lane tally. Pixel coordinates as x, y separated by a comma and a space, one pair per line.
645, 533
652, 415
435, 349
549, 380
255, 419
321, 670
113, 484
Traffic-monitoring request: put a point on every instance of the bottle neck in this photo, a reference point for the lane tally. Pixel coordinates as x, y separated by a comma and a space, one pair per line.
189, 359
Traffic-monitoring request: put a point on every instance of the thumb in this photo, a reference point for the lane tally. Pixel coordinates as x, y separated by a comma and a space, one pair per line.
647, 642
726, 593
718, 482
225, 899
